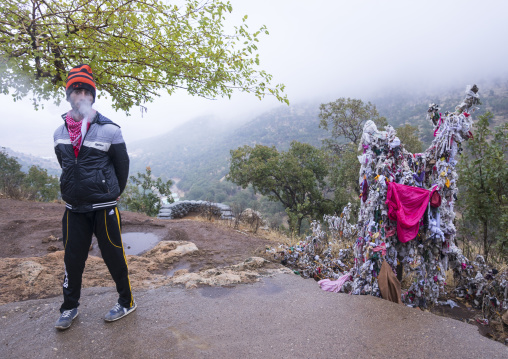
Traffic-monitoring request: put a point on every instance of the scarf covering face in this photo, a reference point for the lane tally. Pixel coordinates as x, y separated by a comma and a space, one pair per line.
77, 131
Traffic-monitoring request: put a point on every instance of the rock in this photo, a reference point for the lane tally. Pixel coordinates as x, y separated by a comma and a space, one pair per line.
250, 263
50, 238
235, 274
29, 271
185, 248
251, 216
166, 252
52, 248
180, 272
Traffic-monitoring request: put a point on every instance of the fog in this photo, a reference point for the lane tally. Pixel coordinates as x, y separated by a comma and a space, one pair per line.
320, 50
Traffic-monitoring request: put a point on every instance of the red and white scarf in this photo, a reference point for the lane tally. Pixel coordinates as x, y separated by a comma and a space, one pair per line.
77, 131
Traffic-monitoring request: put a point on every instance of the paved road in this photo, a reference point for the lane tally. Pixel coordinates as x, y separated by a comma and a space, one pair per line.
280, 317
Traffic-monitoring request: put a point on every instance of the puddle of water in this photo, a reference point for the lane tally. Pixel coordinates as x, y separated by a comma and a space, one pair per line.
269, 288
178, 266
215, 292
135, 243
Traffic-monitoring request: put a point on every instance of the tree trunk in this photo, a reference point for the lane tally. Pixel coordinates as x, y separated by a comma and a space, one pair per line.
485, 241
299, 224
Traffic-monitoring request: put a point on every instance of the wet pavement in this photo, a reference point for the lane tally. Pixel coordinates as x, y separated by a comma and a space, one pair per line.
280, 317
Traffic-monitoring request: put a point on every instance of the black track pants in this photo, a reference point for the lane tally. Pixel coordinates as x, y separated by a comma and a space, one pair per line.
77, 236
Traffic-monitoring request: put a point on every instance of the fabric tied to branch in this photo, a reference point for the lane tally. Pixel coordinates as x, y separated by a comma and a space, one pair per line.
389, 285
381, 248
407, 205
419, 177
334, 285
365, 190
435, 199
438, 125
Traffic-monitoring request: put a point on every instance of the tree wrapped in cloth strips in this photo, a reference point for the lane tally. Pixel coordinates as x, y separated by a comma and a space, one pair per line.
431, 251
136, 49
426, 246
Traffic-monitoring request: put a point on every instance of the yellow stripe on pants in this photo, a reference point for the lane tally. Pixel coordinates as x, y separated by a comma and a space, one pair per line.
125, 258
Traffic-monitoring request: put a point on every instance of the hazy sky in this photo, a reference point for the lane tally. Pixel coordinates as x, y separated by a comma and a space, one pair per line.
320, 50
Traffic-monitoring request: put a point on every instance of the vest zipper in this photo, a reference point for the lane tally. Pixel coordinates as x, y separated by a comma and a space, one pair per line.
76, 173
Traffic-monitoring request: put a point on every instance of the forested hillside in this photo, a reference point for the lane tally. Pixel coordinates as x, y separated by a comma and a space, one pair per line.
197, 153
26, 161
400, 108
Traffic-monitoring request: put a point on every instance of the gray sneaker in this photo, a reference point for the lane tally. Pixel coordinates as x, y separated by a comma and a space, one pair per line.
118, 312
66, 319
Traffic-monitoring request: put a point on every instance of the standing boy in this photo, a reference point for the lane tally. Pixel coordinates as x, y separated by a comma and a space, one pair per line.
95, 168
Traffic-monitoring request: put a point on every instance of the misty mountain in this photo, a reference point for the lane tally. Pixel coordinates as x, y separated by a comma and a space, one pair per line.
197, 152
27, 160
411, 108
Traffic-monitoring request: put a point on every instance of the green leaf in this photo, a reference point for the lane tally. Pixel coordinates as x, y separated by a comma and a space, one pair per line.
137, 49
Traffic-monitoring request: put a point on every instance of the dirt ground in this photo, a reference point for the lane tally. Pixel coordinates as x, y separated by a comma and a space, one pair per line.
191, 253
30, 229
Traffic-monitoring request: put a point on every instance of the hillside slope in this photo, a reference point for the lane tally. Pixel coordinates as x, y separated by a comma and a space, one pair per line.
197, 153
26, 161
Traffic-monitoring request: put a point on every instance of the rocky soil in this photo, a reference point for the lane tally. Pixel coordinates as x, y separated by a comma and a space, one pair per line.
191, 253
